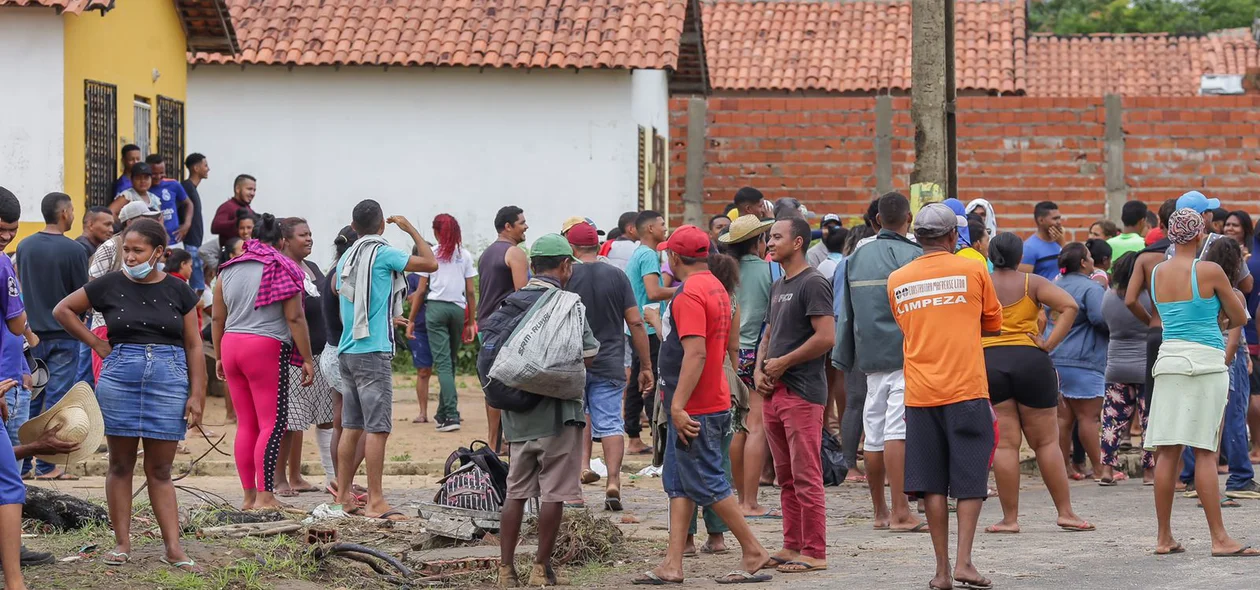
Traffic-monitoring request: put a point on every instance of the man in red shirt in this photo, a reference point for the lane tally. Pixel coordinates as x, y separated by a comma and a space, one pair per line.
224, 222
695, 327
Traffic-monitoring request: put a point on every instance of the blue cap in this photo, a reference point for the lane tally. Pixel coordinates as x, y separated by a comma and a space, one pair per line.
956, 206
1195, 200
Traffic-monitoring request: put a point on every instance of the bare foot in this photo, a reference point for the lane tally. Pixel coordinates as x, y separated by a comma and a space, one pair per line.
1168, 547
1003, 527
754, 562
941, 583
1232, 548
298, 484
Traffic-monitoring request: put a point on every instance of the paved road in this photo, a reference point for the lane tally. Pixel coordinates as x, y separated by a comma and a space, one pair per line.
1117, 556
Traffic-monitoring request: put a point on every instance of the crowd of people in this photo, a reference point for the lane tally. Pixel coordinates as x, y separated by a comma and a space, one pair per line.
927, 341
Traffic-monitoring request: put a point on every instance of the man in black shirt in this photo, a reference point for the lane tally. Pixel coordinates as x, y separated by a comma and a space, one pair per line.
51, 266
198, 170
98, 226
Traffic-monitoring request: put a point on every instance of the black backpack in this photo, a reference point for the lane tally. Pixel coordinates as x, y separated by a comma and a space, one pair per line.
833, 463
494, 332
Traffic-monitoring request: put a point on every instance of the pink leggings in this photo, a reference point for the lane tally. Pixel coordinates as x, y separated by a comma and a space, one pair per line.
258, 382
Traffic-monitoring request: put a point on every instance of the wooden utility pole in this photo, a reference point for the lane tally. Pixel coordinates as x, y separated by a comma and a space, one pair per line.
932, 94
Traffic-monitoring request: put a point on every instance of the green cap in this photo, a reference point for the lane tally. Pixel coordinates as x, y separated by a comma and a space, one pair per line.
551, 245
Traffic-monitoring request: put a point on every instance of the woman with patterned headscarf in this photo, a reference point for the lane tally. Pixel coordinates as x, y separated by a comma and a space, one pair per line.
1191, 379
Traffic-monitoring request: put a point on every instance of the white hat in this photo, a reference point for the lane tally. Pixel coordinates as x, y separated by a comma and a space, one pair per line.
79, 417
136, 209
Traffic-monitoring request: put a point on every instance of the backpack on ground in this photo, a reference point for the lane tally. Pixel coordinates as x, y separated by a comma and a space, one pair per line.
494, 332
478, 483
833, 465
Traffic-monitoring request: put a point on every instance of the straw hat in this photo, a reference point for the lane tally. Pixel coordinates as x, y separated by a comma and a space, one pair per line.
743, 228
80, 419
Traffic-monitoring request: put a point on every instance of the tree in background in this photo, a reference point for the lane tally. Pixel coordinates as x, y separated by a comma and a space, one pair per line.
1076, 17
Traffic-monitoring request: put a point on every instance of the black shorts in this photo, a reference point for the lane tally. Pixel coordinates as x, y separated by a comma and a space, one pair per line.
949, 449
1022, 373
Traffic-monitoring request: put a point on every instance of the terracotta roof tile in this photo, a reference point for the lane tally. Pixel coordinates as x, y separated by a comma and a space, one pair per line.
206, 22
1135, 65
487, 33
854, 46
71, 6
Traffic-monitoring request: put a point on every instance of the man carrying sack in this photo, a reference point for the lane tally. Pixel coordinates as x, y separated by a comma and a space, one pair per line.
546, 441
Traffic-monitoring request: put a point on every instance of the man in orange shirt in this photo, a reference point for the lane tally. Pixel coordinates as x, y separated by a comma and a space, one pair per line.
943, 304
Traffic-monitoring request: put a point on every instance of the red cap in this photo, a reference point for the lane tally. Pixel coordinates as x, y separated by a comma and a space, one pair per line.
582, 234
689, 241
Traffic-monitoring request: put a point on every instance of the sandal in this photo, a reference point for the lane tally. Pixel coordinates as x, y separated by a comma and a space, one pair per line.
651, 579
1175, 549
770, 514
57, 475
799, 567
589, 477
1084, 527
981, 584
116, 558
743, 577
1244, 551
922, 527
708, 550
612, 502
187, 566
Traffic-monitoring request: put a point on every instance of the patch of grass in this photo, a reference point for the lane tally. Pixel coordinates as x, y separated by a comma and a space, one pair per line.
169, 579
403, 457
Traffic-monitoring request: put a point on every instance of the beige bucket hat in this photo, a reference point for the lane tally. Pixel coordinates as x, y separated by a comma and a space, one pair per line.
744, 228
79, 417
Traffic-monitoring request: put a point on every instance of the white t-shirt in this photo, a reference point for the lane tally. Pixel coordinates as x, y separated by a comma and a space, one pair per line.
447, 282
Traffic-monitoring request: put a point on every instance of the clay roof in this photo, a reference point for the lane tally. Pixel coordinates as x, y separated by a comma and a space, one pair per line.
1135, 65
71, 6
206, 25
485, 33
854, 46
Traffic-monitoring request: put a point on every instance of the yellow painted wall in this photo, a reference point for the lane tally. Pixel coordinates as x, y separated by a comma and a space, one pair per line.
123, 47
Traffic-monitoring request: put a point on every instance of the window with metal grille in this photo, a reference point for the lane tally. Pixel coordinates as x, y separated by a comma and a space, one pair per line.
170, 120
142, 114
100, 141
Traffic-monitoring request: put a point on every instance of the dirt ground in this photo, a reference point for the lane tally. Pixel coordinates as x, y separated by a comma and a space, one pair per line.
1118, 555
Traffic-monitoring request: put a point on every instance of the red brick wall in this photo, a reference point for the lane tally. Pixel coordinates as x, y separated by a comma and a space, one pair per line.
1013, 151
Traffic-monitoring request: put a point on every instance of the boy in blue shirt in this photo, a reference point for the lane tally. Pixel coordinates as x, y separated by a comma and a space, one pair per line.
176, 207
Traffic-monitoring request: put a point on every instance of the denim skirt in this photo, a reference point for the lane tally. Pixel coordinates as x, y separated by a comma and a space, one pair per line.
142, 391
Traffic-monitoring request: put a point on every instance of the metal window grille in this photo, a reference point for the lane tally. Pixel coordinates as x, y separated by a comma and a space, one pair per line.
170, 120
142, 115
100, 141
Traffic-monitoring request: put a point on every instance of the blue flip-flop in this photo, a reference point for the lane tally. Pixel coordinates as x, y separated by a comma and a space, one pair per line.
769, 515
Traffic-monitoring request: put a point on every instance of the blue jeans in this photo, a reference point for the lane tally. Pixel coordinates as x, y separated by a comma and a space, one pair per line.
83, 370
198, 279
62, 358
19, 401
1234, 434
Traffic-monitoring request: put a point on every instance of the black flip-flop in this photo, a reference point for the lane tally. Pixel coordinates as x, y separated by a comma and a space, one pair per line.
1240, 553
804, 568
651, 579
918, 528
707, 550
743, 577
613, 503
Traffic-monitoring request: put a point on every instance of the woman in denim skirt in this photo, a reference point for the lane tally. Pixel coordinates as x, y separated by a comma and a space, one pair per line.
153, 382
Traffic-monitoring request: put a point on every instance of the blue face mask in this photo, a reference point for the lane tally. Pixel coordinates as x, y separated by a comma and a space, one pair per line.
139, 271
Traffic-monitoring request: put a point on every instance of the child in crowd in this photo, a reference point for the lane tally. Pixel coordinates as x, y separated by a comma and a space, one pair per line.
418, 343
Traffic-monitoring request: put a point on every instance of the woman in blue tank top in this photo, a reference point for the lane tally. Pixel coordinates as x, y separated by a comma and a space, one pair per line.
1191, 378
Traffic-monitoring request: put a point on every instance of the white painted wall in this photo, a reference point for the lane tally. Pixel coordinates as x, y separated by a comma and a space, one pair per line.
650, 99
32, 105
420, 141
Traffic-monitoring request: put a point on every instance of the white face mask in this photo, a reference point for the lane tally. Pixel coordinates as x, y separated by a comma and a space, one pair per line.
142, 270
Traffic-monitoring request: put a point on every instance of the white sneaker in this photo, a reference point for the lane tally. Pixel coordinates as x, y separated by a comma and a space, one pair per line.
447, 426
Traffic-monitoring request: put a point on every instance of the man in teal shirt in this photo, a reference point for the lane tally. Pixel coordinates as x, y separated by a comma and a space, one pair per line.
1133, 216
644, 271
370, 288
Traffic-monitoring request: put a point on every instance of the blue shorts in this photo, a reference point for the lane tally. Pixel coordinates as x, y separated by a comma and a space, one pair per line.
603, 405
695, 472
12, 490
1081, 383
421, 354
143, 390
